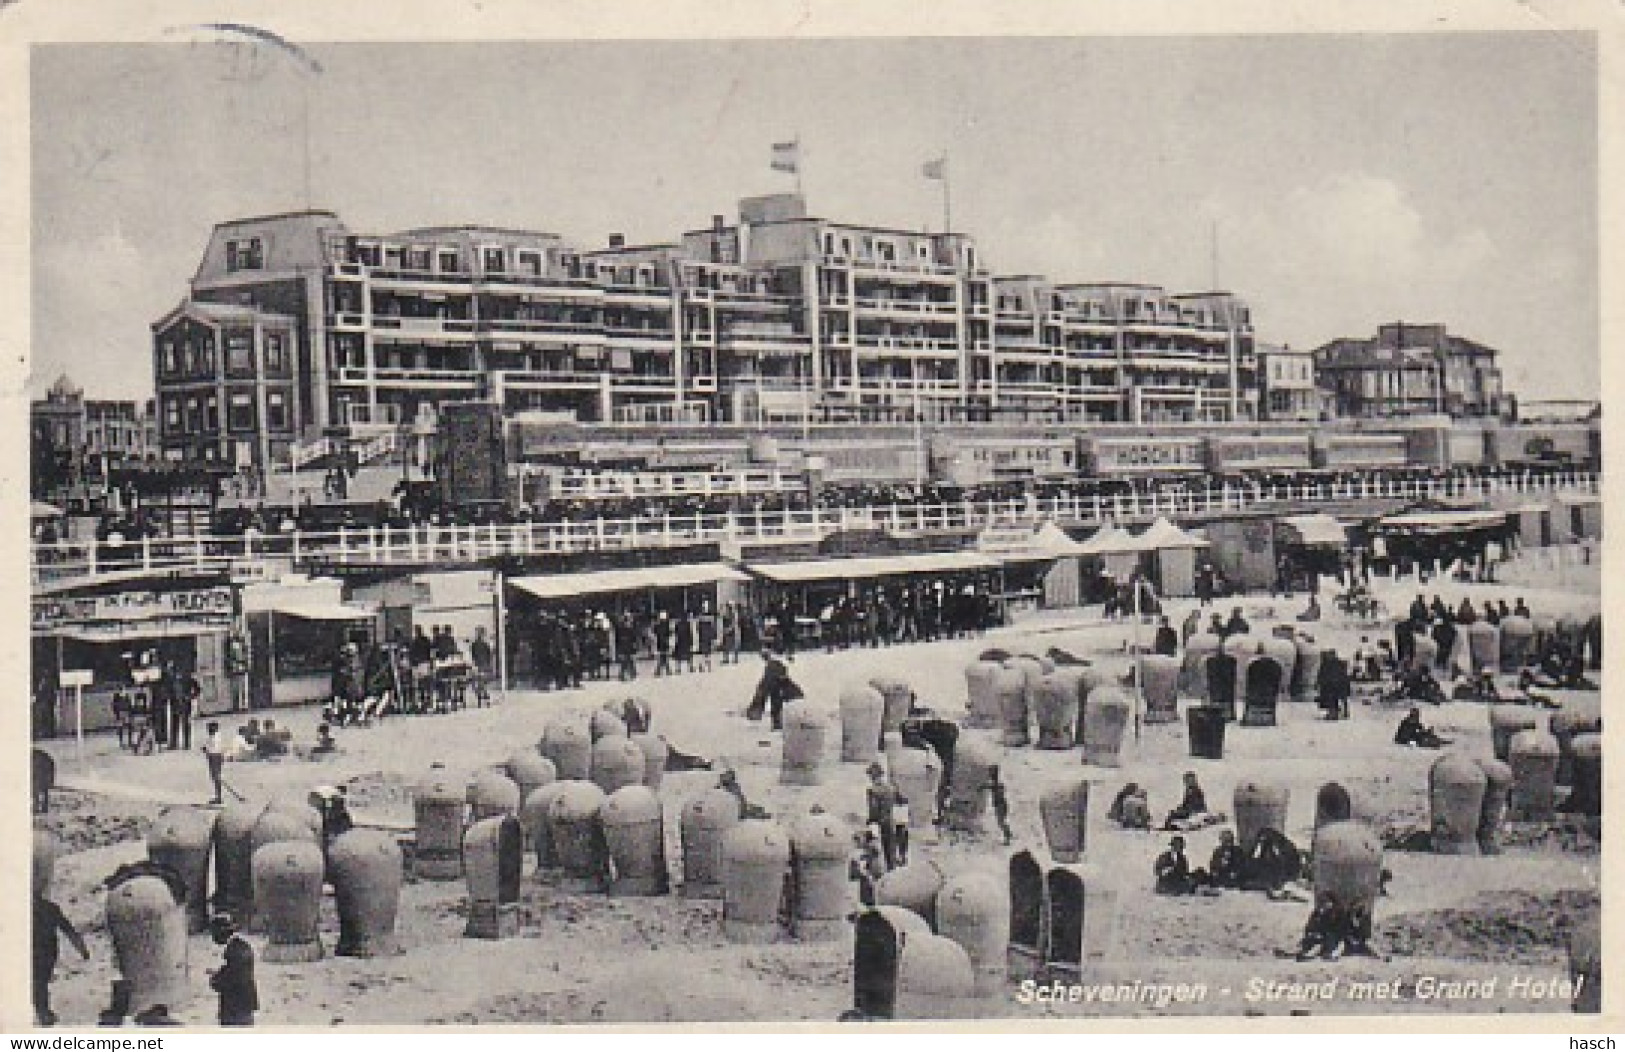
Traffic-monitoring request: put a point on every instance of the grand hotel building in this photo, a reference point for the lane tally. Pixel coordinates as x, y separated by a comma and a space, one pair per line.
296, 328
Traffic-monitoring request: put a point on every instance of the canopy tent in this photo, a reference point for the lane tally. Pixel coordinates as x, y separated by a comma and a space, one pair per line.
41, 510
1055, 541
1110, 540
858, 569
1315, 531
109, 632
1047, 543
600, 582
315, 610
1162, 534
1437, 523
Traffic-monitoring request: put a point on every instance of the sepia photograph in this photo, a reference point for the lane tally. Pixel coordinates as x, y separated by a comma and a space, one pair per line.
813, 528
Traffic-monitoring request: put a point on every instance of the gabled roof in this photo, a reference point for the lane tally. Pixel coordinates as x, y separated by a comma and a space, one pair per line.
214, 313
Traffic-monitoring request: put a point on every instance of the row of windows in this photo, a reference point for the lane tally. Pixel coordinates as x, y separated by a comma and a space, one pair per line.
186, 357
493, 260
200, 414
885, 250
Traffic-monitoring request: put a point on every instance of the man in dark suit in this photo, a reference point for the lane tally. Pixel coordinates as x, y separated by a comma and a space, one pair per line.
234, 981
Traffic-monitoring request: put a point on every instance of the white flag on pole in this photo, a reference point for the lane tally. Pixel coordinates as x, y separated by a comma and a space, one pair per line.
787, 157
937, 169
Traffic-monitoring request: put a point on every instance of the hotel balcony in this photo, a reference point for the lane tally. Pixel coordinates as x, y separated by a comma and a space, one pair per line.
911, 345
639, 339
636, 294
907, 308
394, 376
409, 328
576, 331
549, 377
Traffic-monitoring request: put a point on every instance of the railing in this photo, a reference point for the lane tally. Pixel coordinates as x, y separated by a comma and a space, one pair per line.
424, 544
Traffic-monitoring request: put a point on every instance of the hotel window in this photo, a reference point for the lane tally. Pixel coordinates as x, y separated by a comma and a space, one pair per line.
172, 417
240, 352
194, 420
392, 257
189, 358
244, 255
276, 352
211, 413
369, 255
494, 263
449, 263
829, 244
240, 414
531, 263
417, 259
171, 358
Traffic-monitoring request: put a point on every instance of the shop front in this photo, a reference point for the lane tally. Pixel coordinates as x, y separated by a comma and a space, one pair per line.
1042, 567
117, 634
1434, 540
463, 600
810, 588
295, 627
1310, 545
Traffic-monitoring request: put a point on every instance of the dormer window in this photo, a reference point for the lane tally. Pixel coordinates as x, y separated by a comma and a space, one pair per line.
245, 255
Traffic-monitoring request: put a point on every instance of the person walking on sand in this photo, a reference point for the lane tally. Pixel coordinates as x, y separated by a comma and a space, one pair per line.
49, 922
214, 752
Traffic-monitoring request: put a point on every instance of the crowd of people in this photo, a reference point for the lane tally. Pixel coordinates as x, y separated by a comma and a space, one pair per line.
561, 649
1559, 657
417, 503
426, 674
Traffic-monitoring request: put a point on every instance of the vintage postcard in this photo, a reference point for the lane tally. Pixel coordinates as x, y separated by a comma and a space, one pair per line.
810, 514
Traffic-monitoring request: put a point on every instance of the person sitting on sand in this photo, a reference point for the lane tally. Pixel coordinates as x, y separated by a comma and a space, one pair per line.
1357, 929
1226, 867
1412, 732
1324, 932
1465, 614
1192, 806
728, 782
1312, 611
1275, 862
1417, 683
1173, 870
868, 863
1521, 609
1237, 625
1130, 809
325, 744
1364, 665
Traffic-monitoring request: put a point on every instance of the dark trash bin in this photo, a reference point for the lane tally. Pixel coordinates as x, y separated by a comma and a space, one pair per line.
1206, 728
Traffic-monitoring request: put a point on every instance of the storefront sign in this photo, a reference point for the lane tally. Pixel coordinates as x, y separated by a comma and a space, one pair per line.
1230, 454
1135, 455
56, 611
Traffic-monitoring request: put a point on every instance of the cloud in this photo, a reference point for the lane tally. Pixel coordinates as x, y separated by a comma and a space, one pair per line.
1345, 253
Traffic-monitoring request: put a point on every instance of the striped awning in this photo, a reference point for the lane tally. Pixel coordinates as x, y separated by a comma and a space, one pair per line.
1315, 531
865, 568
643, 578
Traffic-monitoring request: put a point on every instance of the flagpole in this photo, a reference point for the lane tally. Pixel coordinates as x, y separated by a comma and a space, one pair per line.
800, 192
947, 200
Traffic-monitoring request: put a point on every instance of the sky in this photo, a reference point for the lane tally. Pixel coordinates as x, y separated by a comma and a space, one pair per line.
1336, 182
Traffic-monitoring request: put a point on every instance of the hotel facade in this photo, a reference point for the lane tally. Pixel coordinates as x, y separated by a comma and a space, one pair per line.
296, 329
